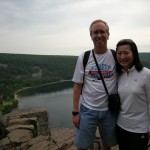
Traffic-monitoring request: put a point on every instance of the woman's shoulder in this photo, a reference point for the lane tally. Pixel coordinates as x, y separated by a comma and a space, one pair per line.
146, 70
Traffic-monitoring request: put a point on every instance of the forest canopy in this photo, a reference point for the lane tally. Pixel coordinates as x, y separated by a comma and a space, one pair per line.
21, 70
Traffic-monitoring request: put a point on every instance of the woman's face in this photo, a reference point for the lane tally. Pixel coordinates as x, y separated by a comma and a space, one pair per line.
125, 56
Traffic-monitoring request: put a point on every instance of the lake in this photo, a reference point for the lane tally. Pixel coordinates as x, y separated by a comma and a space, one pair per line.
57, 98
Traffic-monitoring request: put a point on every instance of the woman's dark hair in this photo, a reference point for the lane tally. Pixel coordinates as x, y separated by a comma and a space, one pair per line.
136, 60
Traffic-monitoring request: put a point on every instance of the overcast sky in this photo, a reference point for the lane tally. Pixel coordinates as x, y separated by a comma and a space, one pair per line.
61, 27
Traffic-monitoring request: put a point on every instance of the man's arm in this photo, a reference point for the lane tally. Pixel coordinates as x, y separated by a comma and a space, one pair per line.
76, 99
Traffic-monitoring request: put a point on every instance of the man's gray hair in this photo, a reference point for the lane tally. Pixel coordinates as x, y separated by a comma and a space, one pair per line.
99, 20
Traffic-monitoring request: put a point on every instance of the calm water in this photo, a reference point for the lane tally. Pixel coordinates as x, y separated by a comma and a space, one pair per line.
58, 104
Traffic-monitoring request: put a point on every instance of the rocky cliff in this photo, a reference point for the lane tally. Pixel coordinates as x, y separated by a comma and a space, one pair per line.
28, 130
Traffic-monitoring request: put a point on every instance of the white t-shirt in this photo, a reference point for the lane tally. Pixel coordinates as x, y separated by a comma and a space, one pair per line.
134, 91
93, 93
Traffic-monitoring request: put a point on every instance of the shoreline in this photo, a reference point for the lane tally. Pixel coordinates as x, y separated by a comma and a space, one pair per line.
24, 88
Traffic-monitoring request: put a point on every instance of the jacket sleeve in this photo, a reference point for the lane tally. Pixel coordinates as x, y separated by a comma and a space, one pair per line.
148, 93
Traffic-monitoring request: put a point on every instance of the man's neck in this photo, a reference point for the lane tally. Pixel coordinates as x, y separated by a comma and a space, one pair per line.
100, 50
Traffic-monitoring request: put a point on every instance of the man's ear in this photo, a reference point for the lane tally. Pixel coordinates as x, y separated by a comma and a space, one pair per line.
108, 36
91, 37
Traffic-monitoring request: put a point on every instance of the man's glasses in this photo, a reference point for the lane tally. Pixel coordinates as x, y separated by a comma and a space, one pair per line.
99, 32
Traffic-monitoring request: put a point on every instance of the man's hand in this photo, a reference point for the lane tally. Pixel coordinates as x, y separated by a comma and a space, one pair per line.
149, 135
76, 120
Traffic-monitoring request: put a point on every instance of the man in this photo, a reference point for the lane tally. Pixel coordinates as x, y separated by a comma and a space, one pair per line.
93, 103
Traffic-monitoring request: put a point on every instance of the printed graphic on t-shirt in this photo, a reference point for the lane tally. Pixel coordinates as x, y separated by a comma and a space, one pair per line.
106, 71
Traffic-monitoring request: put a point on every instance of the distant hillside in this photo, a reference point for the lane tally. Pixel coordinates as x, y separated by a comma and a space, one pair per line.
145, 58
19, 70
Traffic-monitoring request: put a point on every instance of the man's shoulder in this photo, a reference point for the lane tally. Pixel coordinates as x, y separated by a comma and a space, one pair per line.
86, 57
113, 52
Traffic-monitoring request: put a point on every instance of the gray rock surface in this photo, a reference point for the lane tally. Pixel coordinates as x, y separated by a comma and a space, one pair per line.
29, 130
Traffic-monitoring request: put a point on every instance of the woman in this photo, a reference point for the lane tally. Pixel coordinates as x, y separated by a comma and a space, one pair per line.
133, 125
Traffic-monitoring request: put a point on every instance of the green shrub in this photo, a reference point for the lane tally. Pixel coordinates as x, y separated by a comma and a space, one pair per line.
8, 106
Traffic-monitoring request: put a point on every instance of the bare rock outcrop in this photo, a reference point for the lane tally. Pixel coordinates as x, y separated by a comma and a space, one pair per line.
28, 130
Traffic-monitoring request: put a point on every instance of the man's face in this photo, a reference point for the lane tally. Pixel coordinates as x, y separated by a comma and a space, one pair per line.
99, 34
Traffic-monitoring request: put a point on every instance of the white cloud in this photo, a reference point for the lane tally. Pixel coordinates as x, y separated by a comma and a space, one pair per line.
62, 27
